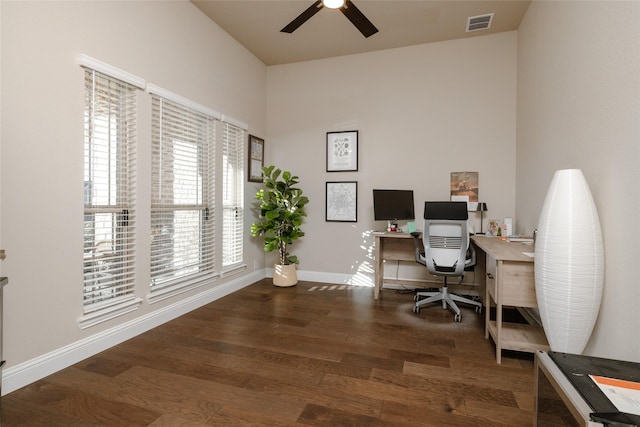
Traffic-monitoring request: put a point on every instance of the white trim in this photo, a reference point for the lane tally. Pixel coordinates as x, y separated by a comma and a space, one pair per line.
109, 313
235, 122
102, 67
232, 270
174, 97
37, 368
180, 288
336, 278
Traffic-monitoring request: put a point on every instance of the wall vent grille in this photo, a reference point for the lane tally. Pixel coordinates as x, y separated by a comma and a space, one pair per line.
480, 22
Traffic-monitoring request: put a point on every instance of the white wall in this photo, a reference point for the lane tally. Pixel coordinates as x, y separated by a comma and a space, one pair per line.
578, 107
422, 112
171, 44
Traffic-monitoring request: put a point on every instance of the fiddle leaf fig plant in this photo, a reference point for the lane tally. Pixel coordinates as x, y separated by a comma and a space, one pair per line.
281, 209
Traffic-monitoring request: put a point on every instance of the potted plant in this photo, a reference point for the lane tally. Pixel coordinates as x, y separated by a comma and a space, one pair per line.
281, 209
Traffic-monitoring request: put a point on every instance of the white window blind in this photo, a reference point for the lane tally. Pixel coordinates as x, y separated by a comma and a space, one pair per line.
182, 205
109, 192
233, 195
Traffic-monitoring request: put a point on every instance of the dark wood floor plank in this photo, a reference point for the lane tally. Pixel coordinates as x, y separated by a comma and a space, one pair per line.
421, 358
199, 393
517, 381
311, 355
317, 415
510, 417
77, 407
445, 414
481, 391
144, 391
334, 398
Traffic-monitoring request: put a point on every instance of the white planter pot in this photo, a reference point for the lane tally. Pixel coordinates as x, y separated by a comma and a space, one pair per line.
569, 263
285, 275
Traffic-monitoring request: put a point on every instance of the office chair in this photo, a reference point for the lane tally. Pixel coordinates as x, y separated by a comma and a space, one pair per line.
445, 251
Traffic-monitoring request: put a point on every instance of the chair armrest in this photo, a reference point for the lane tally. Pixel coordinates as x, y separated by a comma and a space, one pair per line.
470, 262
419, 248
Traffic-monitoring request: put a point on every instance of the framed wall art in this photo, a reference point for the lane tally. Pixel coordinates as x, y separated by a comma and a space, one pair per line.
342, 201
342, 151
256, 158
464, 186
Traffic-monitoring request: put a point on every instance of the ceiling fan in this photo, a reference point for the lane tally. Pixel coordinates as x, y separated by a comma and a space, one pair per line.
347, 7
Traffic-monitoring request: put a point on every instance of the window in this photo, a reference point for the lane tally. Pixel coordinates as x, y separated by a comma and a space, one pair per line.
182, 204
109, 194
232, 196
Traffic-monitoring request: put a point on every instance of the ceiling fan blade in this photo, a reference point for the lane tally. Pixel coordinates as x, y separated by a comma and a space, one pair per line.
303, 17
358, 19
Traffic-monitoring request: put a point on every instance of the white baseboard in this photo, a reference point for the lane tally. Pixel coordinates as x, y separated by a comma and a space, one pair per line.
336, 278
35, 369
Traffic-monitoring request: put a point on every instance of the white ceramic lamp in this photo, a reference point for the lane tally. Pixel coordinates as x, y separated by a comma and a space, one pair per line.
569, 262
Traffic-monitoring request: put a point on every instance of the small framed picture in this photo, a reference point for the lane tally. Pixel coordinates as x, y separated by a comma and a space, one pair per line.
256, 158
342, 201
342, 151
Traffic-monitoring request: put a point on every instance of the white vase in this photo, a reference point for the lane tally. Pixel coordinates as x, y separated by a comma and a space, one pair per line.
569, 263
285, 275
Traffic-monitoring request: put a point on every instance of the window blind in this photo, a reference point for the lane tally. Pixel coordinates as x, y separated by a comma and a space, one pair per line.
182, 205
233, 195
109, 191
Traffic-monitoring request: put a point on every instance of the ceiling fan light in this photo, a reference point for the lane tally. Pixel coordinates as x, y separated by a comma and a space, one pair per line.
333, 4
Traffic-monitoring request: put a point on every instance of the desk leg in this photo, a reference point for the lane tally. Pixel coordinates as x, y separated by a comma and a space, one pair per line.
499, 333
499, 312
481, 277
487, 312
379, 272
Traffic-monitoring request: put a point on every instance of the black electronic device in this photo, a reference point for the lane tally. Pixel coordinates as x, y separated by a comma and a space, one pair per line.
393, 205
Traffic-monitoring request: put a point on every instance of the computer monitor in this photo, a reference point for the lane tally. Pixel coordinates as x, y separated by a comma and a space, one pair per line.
393, 205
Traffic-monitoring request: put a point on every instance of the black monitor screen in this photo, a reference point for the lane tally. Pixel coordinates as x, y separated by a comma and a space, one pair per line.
393, 204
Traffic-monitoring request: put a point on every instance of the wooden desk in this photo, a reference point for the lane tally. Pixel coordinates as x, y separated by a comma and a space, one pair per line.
391, 246
394, 246
508, 281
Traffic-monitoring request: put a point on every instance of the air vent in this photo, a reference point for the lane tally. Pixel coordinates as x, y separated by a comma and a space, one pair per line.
480, 22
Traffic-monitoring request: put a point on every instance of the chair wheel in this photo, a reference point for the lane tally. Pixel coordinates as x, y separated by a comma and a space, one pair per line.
457, 318
416, 309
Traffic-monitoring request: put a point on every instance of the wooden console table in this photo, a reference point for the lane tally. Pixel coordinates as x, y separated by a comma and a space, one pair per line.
508, 281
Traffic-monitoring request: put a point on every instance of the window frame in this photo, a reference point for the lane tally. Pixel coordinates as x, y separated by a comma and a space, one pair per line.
233, 140
110, 114
177, 120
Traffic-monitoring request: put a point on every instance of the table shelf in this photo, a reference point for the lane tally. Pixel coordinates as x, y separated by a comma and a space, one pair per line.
519, 336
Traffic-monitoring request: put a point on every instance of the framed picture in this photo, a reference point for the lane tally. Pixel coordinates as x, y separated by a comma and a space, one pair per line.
342, 151
256, 158
464, 186
342, 201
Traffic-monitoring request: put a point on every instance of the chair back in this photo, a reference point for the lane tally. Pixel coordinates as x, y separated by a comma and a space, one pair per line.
445, 237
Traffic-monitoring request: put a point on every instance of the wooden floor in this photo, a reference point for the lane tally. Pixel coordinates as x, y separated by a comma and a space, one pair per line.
312, 355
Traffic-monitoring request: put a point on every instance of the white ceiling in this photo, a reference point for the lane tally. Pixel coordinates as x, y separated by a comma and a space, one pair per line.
256, 24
